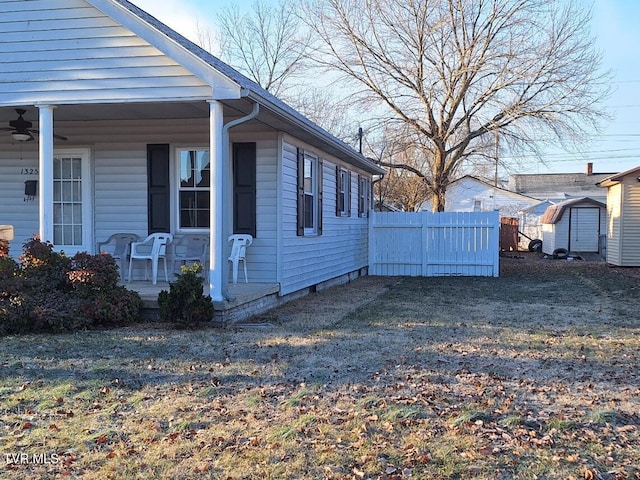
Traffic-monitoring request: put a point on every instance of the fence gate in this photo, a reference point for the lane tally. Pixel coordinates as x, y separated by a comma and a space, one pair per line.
434, 244
509, 234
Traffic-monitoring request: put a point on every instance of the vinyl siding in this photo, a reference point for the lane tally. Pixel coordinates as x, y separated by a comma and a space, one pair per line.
262, 254
462, 194
343, 245
614, 224
66, 51
14, 210
548, 238
630, 232
119, 167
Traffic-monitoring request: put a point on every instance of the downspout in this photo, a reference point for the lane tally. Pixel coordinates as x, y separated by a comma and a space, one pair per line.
373, 198
225, 153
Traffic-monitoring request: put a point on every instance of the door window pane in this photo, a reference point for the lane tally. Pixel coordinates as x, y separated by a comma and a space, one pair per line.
67, 201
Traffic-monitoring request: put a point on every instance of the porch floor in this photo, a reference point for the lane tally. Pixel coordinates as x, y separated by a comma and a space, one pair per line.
244, 299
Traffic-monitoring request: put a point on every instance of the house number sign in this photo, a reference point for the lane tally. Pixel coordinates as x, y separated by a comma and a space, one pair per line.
29, 171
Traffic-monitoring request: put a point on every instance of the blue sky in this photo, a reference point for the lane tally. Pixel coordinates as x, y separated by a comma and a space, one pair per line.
615, 25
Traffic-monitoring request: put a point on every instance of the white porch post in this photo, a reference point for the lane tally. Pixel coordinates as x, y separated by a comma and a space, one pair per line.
45, 182
216, 218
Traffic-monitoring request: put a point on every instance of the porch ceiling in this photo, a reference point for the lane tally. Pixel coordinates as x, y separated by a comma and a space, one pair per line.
179, 110
120, 111
146, 111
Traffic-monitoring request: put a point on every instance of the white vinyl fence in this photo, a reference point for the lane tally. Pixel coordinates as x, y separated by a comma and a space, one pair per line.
434, 244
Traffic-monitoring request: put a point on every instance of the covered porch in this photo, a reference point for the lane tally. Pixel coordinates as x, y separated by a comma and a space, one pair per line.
242, 300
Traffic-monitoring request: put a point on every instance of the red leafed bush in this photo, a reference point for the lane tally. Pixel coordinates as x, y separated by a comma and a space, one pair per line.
48, 291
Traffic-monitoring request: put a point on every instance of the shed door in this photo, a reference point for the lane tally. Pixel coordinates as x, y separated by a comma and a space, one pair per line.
585, 229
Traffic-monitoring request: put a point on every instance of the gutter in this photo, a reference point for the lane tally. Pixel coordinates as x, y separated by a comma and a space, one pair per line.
225, 153
357, 159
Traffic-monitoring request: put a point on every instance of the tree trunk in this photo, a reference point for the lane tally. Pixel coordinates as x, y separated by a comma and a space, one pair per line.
438, 199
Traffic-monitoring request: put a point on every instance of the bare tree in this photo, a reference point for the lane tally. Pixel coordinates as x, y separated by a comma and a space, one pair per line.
266, 43
206, 37
403, 189
404, 185
326, 107
453, 72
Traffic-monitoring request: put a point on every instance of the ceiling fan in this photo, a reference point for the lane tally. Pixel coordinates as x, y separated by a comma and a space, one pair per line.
21, 129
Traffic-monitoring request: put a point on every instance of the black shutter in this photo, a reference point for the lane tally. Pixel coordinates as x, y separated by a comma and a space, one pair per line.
348, 195
300, 210
244, 188
360, 197
320, 174
338, 189
158, 189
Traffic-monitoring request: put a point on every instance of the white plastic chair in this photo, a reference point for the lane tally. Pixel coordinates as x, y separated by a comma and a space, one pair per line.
151, 249
191, 248
239, 245
118, 246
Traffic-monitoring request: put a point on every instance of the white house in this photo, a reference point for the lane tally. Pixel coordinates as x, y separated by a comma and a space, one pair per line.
470, 194
530, 220
623, 224
136, 129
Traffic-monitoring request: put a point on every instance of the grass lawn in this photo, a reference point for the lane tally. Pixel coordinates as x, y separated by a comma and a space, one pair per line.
532, 375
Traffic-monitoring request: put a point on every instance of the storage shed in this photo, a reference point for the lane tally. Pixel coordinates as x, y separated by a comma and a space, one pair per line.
623, 213
573, 225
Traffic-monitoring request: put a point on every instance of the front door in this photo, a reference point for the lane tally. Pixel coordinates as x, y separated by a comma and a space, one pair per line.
72, 217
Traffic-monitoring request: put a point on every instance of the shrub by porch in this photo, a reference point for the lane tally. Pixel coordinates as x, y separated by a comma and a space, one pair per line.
50, 292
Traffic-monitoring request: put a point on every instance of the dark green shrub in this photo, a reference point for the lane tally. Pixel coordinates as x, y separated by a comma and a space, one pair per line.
185, 303
49, 291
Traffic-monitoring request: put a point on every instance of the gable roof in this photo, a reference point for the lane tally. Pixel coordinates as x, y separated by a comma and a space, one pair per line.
617, 178
489, 185
537, 208
208, 67
557, 185
554, 213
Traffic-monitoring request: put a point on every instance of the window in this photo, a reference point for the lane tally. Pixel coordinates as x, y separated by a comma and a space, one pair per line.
67, 201
363, 196
343, 192
477, 205
309, 194
193, 190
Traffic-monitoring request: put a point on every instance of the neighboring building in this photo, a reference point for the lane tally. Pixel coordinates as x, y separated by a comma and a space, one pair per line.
470, 194
623, 225
559, 186
574, 225
164, 137
381, 206
530, 222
